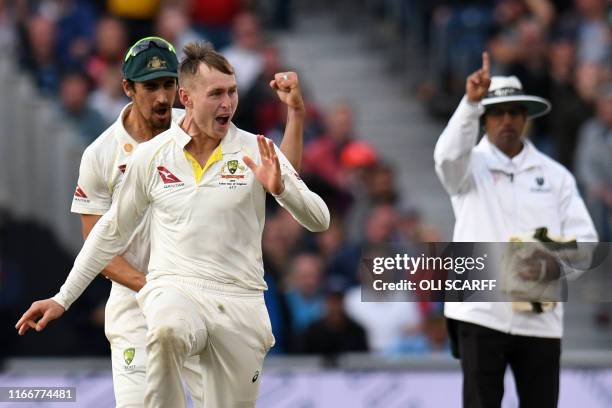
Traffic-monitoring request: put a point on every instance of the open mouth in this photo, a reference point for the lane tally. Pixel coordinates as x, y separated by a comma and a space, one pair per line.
222, 119
161, 111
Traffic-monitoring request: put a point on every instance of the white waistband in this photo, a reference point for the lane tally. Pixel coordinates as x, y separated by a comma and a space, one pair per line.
210, 285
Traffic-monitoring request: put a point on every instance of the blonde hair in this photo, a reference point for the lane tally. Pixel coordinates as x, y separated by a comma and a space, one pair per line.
202, 52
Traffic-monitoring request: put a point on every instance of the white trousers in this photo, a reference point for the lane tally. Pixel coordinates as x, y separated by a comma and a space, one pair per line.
226, 326
126, 331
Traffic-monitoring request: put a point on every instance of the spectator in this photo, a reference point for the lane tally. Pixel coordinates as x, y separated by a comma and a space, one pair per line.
370, 184
111, 45
109, 99
431, 336
413, 229
41, 59
74, 93
244, 53
570, 110
531, 66
335, 332
76, 23
322, 156
303, 294
278, 243
138, 16
380, 229
594, 162
515, 21
387, 317
213, 19
261, 110
391, 316
173, 24
589, 25
330, 241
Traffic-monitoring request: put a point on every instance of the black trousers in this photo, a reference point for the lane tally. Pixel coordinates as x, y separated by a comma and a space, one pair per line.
485, 354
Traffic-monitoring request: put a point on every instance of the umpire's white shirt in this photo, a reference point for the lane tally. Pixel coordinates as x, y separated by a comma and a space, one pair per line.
495, 197
209, 228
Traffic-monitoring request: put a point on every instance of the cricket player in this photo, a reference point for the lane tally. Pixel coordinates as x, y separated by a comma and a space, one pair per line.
204, 183
150, 80
503, 187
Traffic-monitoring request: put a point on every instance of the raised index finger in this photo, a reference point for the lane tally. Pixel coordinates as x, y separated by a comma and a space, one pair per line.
486, 64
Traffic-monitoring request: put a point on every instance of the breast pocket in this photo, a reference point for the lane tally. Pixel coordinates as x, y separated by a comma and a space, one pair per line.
542, 210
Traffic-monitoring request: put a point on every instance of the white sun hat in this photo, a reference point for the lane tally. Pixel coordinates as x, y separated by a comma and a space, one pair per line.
504, 89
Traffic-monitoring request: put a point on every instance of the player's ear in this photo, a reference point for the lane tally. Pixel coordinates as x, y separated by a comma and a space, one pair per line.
128, 88
184, 98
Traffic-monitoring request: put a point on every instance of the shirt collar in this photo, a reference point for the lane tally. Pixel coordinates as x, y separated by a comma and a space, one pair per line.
125, 140
497, 160
229, 144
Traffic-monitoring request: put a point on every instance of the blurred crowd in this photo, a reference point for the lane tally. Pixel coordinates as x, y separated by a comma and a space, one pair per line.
73, 52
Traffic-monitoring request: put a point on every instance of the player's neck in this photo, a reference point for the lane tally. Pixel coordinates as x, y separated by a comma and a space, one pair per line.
201, 145
137, 126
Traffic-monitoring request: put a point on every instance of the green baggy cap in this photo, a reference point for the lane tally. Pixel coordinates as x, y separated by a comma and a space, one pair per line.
150, 58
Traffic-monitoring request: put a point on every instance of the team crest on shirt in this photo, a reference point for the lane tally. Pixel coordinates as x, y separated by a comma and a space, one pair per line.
128, 357
232, 166
540, 186
232, 174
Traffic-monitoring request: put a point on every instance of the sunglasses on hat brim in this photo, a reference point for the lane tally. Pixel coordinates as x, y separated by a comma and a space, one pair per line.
146, 43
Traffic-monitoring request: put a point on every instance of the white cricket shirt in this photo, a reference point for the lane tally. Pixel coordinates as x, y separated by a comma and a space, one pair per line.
102, 168
209, 228
494, 198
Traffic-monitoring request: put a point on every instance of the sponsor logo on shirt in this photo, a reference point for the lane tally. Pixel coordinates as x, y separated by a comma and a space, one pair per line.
79, 195
169, 179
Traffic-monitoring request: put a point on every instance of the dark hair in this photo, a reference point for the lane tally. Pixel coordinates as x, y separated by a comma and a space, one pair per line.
202, 52
73, 73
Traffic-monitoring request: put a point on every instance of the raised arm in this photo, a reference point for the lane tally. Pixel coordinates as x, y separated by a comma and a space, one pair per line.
287, 87
454, 147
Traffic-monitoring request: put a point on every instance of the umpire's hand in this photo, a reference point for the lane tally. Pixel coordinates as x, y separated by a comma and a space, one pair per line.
540, 266
477, 84
45, 310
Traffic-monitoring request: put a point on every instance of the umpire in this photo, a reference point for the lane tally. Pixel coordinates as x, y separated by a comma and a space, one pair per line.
501, 187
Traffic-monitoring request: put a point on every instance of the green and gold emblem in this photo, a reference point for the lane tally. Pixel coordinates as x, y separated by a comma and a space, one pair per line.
128, 355
156, 63
232, 166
